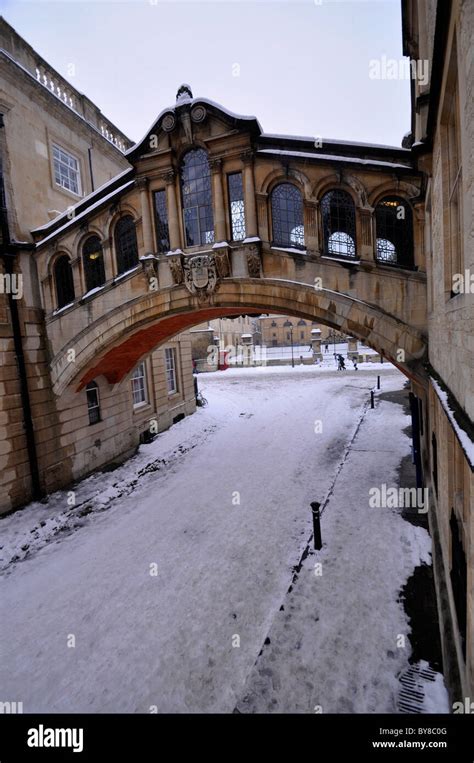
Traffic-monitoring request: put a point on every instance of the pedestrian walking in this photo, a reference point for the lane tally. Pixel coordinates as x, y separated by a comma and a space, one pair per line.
341, 365
326, 348
355, 364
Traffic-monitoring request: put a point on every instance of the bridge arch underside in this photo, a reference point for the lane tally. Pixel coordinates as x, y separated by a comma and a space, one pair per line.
114, 344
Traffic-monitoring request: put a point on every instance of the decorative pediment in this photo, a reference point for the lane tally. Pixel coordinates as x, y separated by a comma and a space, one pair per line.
182, 119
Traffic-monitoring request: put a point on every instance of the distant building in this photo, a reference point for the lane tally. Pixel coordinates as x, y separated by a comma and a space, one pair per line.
284, 330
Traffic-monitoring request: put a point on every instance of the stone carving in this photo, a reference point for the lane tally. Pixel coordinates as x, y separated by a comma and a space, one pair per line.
200, 275
253, 262
168, 122
198, 114
176, 268
222, 264
149, 267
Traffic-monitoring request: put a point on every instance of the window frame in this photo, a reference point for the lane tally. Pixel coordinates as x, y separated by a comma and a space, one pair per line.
284, 222
56, 146
162, 231
241, 213
404, 243
206, 210
92, 386
327, 227
89, 288
119, 256
170, 352
62, 258
142, 388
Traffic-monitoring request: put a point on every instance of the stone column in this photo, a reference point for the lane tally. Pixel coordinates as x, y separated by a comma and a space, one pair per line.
142, 185
76, 266
251, 227
173, 215
365, 234
218, 199
310, 210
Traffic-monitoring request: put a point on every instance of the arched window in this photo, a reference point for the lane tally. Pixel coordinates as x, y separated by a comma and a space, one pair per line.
63, 281
93, 402
93, 258
339, 228
301, 323
394, 232
287, 323
197, 198
126, 244
287, 216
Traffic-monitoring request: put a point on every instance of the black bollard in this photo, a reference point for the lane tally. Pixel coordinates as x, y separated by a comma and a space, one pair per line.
372, 405
315, 508
378, 382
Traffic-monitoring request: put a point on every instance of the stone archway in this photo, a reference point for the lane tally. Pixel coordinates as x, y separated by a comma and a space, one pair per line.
113, 344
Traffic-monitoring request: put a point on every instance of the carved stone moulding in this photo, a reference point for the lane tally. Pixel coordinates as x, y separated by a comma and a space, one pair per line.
254, 261
168, 122
176, 268
221, 257
198, 114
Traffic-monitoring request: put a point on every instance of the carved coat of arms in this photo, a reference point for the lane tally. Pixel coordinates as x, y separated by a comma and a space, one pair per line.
200, 275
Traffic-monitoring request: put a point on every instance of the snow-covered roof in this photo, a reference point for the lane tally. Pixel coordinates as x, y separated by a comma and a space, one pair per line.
182, 100
81, 215
86, 201
332, 158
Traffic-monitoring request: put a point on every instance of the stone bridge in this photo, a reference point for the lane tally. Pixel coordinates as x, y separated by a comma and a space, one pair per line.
217, 218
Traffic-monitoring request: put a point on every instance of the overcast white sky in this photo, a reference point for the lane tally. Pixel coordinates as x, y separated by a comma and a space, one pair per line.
304, 64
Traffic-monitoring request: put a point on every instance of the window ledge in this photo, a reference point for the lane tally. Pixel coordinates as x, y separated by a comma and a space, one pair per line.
138, 407
92, 292
336, 258
290, 249
62, 309
126, 273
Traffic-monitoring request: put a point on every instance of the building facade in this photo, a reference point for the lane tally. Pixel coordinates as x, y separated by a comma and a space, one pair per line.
56, 147
284, 330
442, 33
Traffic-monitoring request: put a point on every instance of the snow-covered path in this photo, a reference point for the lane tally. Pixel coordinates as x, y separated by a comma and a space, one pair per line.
87, 625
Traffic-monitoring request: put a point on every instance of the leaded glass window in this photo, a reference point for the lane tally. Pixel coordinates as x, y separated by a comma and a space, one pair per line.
237, 208
126, 244
394, 232
197, 198
287, 216
161, 220
63, 281
93, 258
339, 224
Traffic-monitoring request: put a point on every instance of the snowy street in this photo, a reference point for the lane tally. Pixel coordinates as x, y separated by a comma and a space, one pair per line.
158, 590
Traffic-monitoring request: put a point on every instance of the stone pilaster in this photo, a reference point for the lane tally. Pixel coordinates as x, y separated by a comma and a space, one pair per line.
251, 227
173, 215
142, 185
218, 201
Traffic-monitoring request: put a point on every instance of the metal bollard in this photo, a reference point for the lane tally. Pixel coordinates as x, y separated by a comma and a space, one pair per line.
315, 508
372, 405
378, 382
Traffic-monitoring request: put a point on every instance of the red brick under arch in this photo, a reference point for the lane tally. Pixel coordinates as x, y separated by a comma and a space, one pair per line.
118, 361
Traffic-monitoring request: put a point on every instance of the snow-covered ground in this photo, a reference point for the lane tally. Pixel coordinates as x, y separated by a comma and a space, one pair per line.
158, 589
